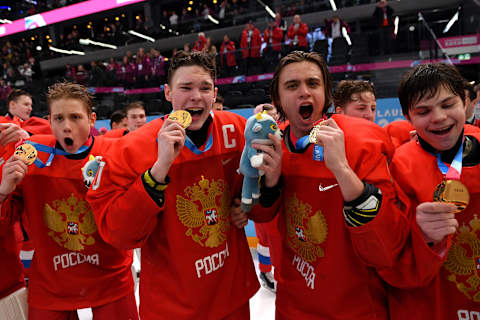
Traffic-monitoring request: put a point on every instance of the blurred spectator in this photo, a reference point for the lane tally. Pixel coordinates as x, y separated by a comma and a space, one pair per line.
111, 72
165, 20
272, 37
126, 72
338, 43
95, 75
186, 48
250, 44
200, 42
470, 103
26, 72
148, 25
280, 22
228, 60
37, 71
70, 72
14, 79
4, 91
222, 12
383, 16
297, 34
197, 24
173, 19
158, 67
81, 76
318, 42
113, 65
210, 48
205, 12
142, 68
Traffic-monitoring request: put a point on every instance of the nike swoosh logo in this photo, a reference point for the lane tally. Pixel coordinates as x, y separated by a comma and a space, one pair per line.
224, 162
321, 188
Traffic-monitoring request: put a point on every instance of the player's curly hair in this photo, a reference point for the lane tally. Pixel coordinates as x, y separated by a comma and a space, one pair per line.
346, 88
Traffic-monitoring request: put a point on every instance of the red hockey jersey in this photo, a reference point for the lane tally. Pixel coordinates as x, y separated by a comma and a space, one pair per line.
449, 287
72, 267
195, 263
328, 269
11, 268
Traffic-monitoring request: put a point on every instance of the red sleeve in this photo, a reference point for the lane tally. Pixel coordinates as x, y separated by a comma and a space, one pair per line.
124, 212
116, 208
11, 210
379, 242
417, 264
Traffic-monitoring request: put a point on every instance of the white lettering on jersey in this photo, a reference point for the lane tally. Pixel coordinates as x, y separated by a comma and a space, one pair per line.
211, 263
468, 315
71, 259
306, 270
233, 142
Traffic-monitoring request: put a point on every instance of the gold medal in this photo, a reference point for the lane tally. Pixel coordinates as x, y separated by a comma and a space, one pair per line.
312, 137
181, 116
27, 152
452, 191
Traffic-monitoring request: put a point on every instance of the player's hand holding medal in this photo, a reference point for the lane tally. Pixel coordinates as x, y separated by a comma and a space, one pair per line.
27, 152
451, 190
181, 116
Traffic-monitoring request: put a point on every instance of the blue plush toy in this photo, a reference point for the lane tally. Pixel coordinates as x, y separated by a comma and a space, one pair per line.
256, 131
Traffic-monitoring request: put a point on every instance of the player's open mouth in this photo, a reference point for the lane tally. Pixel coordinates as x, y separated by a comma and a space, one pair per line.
68, 141
306, 111
442, 131
195, 111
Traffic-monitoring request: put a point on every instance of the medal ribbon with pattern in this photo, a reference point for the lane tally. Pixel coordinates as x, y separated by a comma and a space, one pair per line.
304, 141
451, 190
52, 151
184, 118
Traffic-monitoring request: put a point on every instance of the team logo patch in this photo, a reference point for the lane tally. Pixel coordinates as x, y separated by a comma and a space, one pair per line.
204, 210
463, 260
71, 223
306, 230
90, 169
211, 217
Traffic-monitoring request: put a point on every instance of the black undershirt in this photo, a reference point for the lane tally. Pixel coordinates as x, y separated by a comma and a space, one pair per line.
77, 156
199, 137
471, 150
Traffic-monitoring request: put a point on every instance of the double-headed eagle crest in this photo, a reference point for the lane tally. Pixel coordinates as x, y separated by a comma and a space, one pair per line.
205, 212
71, 223
305, 230
463, 260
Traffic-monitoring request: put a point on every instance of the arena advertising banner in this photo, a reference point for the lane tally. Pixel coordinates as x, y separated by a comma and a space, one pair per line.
62, 14
388, 110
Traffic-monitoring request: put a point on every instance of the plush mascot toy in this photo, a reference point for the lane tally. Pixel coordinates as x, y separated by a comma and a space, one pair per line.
256, 131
